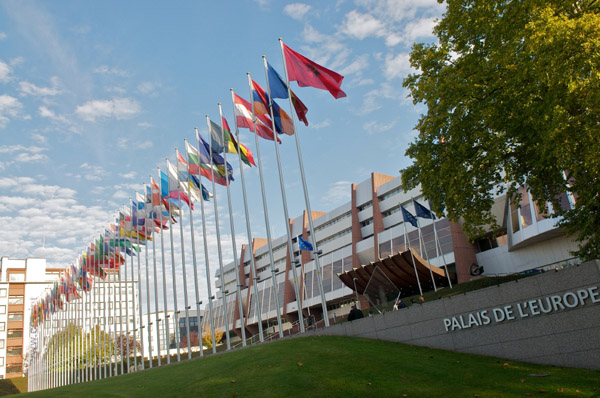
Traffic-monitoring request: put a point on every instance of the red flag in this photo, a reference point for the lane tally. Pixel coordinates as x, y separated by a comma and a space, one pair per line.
243, 116
310, 74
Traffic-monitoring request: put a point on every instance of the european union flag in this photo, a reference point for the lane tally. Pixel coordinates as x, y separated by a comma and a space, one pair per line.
409, 217
423, 211
304, 245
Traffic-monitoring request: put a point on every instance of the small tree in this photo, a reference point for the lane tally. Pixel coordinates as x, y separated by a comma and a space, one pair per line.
207, 336
194, 340
123, 341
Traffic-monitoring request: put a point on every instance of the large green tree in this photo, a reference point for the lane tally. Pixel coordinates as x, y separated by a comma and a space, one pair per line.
512, 91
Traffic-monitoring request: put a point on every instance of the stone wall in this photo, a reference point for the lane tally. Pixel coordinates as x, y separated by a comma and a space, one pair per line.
551, 318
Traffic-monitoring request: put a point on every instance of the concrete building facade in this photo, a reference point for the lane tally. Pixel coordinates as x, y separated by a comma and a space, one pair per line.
368, 228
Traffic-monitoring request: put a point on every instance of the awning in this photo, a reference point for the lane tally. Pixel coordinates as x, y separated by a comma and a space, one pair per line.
397, 269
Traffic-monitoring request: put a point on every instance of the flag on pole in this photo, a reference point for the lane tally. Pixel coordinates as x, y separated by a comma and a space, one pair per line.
245, 152
243, 115
304, 244
310, 74
216, 138
423, 211
283, 121
408, 217
279, 90
176, 195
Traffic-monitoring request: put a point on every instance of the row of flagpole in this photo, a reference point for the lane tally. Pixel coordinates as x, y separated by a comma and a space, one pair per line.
68, 331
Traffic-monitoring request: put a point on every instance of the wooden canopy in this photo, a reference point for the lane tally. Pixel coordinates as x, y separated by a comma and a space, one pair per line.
398, 269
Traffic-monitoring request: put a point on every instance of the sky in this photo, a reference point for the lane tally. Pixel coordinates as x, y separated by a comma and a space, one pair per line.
94, 96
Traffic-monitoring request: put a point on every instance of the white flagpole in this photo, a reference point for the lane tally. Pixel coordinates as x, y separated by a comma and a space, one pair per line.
120, 302
285, 209
412, 257
306, 199
248, 232
132, 282
438, 244
185, 292
174, 277
148, 308
222, 276
114, 312
139, 273
105, 338
422, 241
207, 263
195, 265
164, 283
275, 288
127, 283
232, 227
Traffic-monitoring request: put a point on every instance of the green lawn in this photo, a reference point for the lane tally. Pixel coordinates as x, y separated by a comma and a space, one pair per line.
327, 366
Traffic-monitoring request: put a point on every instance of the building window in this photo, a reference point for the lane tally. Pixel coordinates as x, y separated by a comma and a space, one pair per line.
14, 333
15, 300
14, 351
15, 316
2, 326
16, 277
14, 368
2, 309
1, 344
1, 361
3, 292
365, 206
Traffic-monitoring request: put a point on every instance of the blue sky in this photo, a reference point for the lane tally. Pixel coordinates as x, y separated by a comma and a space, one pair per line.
95, 95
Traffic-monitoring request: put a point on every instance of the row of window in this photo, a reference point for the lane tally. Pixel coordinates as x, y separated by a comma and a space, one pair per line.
334, 236
390, 193
332, 222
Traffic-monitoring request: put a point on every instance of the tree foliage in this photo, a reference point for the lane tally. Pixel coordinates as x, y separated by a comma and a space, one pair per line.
207, 336
194, 340
72, 348
512, 91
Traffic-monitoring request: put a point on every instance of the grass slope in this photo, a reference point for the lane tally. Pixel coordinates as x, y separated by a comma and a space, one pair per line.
330, 366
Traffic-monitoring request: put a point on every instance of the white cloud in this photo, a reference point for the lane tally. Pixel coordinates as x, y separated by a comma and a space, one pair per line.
92, 173
28, 88
5, 71
394, 21
2, 36
420, 29
21, 148
47, 113
145, 124
374, 127
144, 144
44, 221
320, 125
339, 192
358, 65
296, 10
128, 176
118, 108
10, 107
27, 158
106, 70
397, 66
118, 90
361, 26
148, 88
384, 92
125, 143
39, 138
